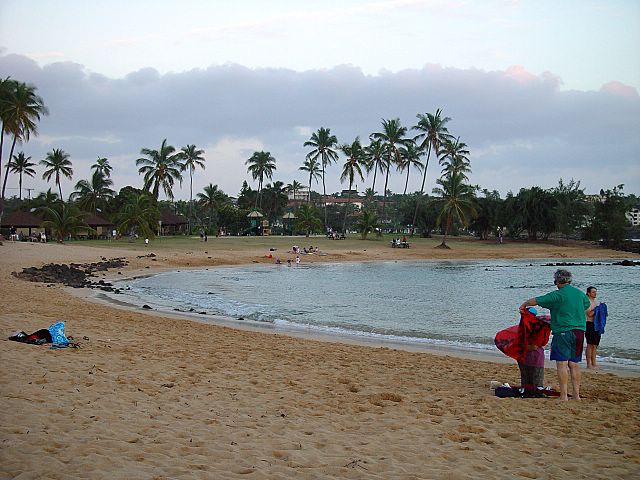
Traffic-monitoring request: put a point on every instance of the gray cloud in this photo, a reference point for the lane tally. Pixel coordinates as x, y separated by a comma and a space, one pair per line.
522, 129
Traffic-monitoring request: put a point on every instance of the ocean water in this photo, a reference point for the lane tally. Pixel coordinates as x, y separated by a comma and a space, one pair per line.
461, 303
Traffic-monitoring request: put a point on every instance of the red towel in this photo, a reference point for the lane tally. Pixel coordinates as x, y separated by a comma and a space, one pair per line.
531, 330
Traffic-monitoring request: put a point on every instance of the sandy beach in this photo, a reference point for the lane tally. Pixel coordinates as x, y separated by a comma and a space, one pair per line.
154, 397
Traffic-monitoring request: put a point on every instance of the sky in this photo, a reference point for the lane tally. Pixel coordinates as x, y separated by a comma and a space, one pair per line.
539, 90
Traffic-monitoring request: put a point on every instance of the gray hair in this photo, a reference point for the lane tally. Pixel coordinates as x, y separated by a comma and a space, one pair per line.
562, 276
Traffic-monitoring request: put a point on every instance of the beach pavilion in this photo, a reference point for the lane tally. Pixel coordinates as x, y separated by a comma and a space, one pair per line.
24, 222
172, 224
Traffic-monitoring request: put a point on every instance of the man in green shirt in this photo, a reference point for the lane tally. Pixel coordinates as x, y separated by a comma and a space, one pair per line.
568, 323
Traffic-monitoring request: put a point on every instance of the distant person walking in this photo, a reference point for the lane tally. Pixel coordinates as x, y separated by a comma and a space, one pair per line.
568, 306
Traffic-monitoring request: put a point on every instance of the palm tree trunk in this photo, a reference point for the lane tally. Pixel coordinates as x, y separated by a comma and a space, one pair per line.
406, 184
6, 173
59, 187
309, 201
424, 179
20, 183
375, 172
324, 198
384, 198
346, 211
190, 199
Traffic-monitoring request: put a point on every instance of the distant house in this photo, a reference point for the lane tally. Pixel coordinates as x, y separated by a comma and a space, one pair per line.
25, 223
173, 224
355, 201
633, 216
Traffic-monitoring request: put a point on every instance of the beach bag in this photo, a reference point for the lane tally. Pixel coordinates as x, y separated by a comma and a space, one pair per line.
57, 333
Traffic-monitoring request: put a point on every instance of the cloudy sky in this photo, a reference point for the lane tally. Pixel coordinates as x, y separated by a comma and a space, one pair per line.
539, 90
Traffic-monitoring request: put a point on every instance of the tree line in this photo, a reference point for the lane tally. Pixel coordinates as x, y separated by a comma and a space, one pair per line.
453, 206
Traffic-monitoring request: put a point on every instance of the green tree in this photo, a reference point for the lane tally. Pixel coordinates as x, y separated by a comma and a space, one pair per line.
375, 155
571, 207
312, 167
261, 165
307, 220
433, 131
352, 166
20, 110
161, 169
102, 165
323, 144
454, 157
276, 200
93, 194
211, 199
393, 137
367, 223
191, 158
21, 165
486, 219
140, 215
293, 188
609, 223
455, 199
65, 220
409, 157
57, 164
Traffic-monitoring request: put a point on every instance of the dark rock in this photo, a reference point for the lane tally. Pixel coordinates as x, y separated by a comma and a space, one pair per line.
147, 307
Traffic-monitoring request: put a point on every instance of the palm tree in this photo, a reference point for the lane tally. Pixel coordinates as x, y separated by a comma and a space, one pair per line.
375, 152
20, 110
22, 166
307, 219
276, 199
393, 138
433, 128
65, 220
102, 166
139, 215
454, 157
323, 143
261, 165
315, 172
192, 158
353, 165
57, 163
292, 188
210, 199
162, 168
368, 223
94, 193
456, 202
410, 157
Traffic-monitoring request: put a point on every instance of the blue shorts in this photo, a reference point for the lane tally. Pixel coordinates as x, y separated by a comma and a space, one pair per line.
567, 346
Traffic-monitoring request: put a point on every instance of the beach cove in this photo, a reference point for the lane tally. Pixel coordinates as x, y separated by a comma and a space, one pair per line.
150, 396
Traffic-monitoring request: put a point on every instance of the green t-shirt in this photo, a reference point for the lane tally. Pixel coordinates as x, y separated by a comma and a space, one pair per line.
567, 305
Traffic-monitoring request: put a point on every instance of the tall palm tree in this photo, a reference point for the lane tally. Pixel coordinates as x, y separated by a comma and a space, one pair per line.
102, 166
161, 168
454, 157
22, 166
20, 110
191, 158
261, 165
94, 193
323, 144
456, 202
393, 137
375, 152
57, 163
433, 128
315, 172
352, 167
410, 157
210, 199
292, 188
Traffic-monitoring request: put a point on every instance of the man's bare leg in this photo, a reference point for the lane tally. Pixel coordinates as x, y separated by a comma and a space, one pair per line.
591, 356
563, 378
574, 368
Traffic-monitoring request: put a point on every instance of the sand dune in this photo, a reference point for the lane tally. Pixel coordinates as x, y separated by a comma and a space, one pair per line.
161, 398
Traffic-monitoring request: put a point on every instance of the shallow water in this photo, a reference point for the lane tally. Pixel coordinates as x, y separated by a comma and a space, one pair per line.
459, 303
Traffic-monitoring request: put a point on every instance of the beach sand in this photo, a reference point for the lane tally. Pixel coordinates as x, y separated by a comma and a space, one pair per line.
155, 397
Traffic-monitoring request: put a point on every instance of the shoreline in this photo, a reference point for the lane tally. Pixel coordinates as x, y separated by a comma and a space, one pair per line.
429, 346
